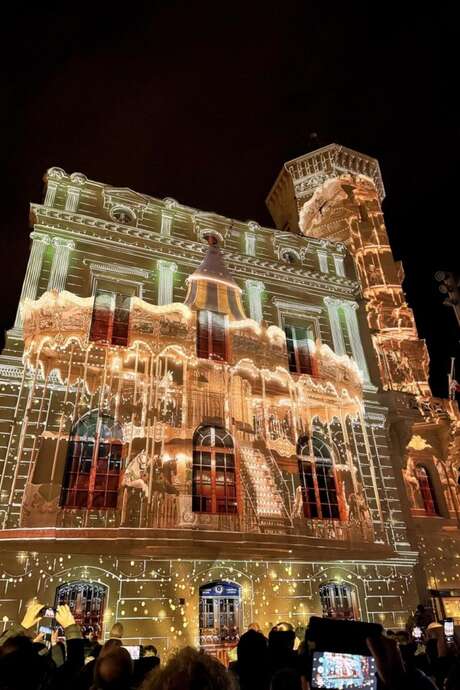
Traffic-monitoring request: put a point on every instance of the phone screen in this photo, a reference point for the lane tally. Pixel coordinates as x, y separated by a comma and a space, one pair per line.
449, 628
134, 650
417, 633
339, 671
49, 613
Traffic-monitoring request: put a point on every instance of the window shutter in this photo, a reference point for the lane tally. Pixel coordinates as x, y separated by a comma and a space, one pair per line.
304, 358
290, 342
102, 320
202, 334
218, 336
121, 320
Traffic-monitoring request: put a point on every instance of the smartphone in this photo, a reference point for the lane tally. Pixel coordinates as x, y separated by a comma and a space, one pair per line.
341, 657
339, 670
49, 612
46, 630
134, 650
449, 628
417, 633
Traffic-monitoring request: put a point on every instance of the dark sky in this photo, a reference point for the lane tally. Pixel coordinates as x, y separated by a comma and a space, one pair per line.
204, 101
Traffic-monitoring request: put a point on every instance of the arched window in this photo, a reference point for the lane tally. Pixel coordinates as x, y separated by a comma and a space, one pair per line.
214, 479
317, 479
337, 601
93, 465
426, 490
86, 601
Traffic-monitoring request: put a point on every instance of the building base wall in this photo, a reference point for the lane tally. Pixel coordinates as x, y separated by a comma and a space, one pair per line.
158, 601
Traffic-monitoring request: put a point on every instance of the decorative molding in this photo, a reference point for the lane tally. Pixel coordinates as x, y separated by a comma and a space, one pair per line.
117, 268
298, 307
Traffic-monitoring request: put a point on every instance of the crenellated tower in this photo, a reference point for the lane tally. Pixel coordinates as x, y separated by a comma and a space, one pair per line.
335, 193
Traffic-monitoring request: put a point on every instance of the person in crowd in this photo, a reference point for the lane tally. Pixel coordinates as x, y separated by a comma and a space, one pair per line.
145, 664
392, 671
422, 617
281, 654
189, 669
113, 670
254, 626
23, 666
116, 632
251, 667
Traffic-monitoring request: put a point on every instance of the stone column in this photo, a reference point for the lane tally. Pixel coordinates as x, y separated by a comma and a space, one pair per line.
58, 273
167, 215
322, 258
333, 305
34, 267
166, 270
350, 309
339, 266
51, 190
255, 289
73, 197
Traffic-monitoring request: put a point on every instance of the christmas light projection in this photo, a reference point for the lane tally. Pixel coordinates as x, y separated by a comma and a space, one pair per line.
158, 391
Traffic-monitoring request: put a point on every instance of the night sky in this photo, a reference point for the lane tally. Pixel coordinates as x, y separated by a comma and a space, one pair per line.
204, 101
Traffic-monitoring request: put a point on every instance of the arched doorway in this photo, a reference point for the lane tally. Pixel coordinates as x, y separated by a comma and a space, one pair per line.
220, 617
338, 600
86, 600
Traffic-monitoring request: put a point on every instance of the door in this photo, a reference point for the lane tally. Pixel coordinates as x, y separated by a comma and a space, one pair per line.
220, 617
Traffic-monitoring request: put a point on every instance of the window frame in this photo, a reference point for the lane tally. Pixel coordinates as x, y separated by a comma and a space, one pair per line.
296, 351
318, 485
114, 335
427, 492
97, 479
210, 497
210, 337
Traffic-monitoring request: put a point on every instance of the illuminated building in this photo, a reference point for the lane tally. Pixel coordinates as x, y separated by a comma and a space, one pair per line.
207, 422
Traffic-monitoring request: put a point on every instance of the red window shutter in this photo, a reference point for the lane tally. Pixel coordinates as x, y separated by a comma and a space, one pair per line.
202, 334
102, 320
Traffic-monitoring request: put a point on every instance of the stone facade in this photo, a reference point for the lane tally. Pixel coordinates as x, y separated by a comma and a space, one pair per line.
207, 422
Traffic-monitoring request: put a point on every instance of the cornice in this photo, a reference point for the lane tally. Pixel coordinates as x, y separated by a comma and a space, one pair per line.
167, 248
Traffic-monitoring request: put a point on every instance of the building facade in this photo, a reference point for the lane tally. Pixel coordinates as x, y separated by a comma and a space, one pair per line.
206, 422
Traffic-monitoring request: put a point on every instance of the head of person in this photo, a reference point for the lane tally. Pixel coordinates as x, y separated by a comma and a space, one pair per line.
420, 608
402, 637
254, 626
20, 665
252, 648
391, 634
434, 630
189, 669
281, 638
116, 631
150, 650
110, 646
113, 670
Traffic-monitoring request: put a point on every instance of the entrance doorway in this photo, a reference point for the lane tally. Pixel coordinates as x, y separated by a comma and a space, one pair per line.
86, 600
220, 617
338, 600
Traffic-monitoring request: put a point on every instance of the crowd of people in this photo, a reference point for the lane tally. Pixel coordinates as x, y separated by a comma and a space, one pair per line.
74, 660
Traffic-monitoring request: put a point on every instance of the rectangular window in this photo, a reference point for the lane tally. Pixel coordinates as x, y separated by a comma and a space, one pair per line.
299, 355
211, 342
110, 320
